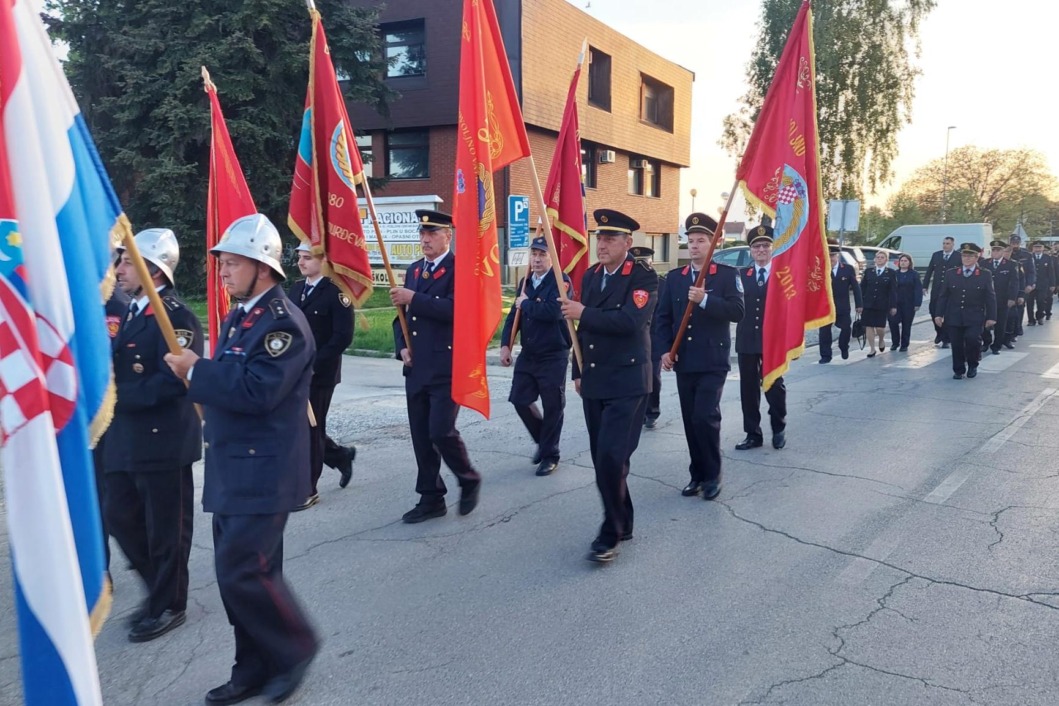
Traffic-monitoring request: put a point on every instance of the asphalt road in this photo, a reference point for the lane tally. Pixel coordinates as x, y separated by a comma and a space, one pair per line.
901, 550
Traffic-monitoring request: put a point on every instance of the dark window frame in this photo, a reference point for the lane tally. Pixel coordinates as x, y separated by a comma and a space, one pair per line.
404, 26
590, 164
645, 180
656, 103
599, 79
422, 144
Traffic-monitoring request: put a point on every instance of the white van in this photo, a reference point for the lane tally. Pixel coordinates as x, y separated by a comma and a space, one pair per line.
922, 241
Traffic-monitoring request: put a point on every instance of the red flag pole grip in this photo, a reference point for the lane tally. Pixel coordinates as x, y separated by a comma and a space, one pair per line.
700, 281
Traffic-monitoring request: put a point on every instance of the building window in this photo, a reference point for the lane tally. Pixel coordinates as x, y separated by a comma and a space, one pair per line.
645, 177
656, 103
408, 154
364, 145
599, 78
404, 44
589, 164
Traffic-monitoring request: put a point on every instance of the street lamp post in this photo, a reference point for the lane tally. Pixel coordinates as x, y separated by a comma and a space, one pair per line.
945, 174
694, 193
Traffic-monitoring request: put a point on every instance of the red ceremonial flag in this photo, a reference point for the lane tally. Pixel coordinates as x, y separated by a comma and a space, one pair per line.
227, 200
323, 198
565, 192
491, 136
780, 174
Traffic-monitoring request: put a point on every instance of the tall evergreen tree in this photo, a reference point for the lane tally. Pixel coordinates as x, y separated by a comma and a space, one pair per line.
864, 82
134, 66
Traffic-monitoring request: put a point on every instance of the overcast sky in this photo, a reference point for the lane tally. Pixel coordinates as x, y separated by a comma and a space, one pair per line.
988, 68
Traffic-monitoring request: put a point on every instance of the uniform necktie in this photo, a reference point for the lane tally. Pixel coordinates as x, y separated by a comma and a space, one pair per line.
996, 264
606, 276
761, 277
134, 309
946, 257
308, 290
240, 314
967, 271
878, 271
1038, 258
430, 268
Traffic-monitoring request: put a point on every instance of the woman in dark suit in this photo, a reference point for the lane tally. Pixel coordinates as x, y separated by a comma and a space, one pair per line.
909, 299
880, 300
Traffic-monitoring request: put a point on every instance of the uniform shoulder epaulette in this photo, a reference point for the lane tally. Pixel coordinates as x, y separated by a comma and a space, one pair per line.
643, 264
279, 308
172, 303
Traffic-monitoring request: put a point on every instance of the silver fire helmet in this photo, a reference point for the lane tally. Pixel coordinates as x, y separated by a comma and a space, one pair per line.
158, 246
256, 238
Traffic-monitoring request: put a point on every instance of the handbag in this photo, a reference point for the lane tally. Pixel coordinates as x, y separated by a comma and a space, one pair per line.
858, 332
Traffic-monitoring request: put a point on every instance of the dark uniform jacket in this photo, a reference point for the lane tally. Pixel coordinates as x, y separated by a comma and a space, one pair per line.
330, 316
1028, 269
908, 287
841, 284
614, 332
429, 323
748, 332
936, 270
707, 343
880, 292
1005, 279
545, 335
1045, 268
658, 336
967, 301
155, 425
256, 396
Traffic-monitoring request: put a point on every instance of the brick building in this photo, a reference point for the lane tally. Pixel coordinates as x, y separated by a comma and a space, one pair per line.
634, 109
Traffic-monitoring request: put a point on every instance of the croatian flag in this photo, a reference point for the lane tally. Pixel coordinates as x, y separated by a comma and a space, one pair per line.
56, 392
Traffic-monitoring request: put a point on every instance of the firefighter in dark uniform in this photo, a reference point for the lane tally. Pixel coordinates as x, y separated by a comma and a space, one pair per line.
1006, 287
1041, 297
618, 298
330, 315
654, 400
255, 391
940, 261
427, 298
1014, 329
749, 347
116, 308
153, 439
843, 281
966, 305
1029, 272
540, 370
703, 359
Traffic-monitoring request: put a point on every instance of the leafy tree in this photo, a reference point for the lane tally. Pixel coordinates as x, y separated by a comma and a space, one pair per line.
864, 83
1000, 187
134, 66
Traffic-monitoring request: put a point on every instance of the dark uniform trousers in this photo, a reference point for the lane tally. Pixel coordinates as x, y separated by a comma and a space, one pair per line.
255, 393
966, 304
540, 370
330, 316
748, 347
995, 337
1040, 299
703, 358
933, 279
1029, 277
147, 456
615, 342
116, 308
428, 381
843, 283
654, 398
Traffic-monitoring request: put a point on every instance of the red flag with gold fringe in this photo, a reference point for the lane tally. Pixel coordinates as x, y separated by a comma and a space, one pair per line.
491, 135
565, 193
780, 174
228, 198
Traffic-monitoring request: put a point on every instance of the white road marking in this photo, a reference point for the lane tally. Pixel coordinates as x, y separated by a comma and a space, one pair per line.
879, 550
1043, 345
998, 439
1052, 373
998, 363
918, 359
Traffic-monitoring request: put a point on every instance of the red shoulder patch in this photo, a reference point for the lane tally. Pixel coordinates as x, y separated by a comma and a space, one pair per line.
627, 268
149, 311
415, 273
437, 275
713, 268
253, 316
599, 267
750, 272
640, 298
685, 270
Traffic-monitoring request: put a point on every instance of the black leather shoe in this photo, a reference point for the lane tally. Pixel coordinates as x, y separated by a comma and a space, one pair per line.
650, 423
957, 376
985, 347
692, 489
537, 456
996, 351
309, 502
600, 553
1031, 322
546, 468
893, 347
709, 492
825, 361
150, 628
1009, 346
231, 694
422, 512
279, 688
469, 498
751, 442
779, 440
972, 372
845, 354
346, 467
903, 349
945, 345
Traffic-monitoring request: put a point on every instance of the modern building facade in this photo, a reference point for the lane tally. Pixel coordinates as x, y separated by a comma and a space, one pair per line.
634, 110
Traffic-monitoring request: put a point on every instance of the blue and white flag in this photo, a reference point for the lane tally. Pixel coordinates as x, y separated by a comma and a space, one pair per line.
56, 390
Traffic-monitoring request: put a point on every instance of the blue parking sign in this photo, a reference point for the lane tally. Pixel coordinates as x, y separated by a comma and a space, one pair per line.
518, 221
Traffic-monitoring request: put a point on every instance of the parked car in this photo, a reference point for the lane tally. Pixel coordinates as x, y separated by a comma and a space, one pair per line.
921, 241
738, 256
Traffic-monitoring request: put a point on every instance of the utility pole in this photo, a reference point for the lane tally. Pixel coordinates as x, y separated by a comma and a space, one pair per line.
945, 175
